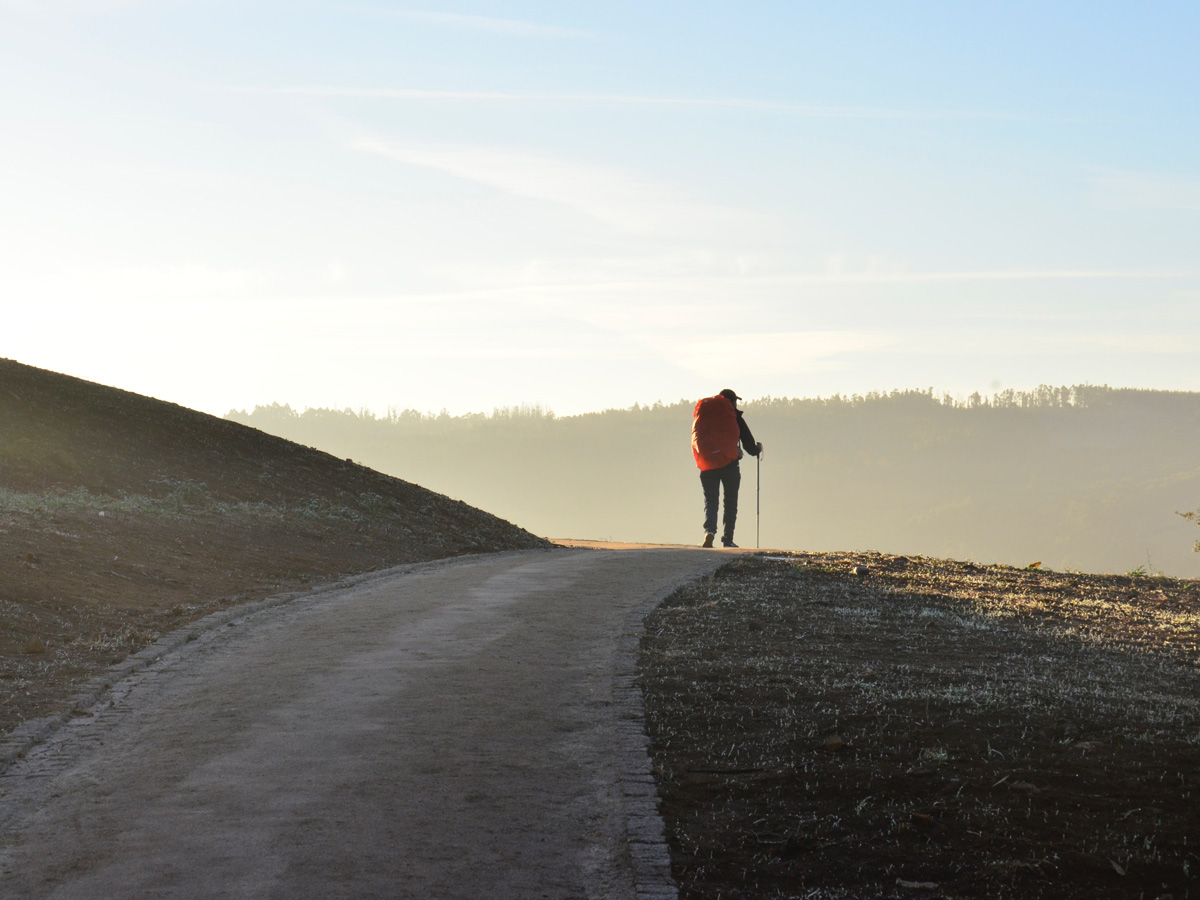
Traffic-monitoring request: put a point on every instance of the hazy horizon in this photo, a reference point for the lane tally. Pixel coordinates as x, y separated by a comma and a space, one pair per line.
477, 204
522, 408
1080, 477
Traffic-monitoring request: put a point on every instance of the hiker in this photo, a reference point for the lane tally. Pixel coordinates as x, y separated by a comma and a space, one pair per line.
717, 429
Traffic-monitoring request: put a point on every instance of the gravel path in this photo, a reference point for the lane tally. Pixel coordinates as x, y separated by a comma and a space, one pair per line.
461, 729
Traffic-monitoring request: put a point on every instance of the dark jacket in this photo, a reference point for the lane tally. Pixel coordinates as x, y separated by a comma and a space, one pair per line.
748, 442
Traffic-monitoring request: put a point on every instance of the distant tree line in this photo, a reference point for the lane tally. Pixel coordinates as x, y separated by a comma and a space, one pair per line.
1086, 477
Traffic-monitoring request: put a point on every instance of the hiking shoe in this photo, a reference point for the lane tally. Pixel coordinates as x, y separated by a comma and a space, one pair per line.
708, 541
730, 543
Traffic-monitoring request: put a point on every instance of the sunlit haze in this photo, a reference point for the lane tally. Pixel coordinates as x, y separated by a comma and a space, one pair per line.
583, 206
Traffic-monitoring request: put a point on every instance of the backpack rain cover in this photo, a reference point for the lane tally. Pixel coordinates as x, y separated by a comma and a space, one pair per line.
715, 433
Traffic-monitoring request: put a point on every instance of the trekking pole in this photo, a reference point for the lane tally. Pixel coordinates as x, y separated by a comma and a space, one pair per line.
758, 505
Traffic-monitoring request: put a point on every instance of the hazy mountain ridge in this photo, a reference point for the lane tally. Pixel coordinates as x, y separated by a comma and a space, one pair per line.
1080, 477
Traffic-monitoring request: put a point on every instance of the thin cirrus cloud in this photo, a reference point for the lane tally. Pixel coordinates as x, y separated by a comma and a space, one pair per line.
766, 354
510, 27
1007, 343
66, 7
934, 277
608, 194
751, 104
1139, 190
77, 286
1138, 344
634, 277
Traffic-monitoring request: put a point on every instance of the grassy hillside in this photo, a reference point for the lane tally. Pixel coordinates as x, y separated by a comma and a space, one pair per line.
122, 517
1084, 478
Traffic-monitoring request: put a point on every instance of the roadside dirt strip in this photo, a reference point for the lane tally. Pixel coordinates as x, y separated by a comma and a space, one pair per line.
460, 729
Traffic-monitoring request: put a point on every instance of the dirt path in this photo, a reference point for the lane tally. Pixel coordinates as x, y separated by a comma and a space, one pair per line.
456, 730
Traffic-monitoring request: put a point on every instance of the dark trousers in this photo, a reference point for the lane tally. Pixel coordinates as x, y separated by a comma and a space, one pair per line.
731, 477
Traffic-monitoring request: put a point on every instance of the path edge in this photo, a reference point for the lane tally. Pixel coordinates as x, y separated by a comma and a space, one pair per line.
649, 852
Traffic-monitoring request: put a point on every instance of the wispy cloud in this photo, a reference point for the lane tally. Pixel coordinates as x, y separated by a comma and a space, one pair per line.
1139, 190
158, 284
665, 282
1140, 344
66, 7
778, 107
766, 354
1011, 343
510, 27
933, 277
614, 196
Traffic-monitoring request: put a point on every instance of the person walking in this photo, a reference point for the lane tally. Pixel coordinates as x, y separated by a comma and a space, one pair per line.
718, 428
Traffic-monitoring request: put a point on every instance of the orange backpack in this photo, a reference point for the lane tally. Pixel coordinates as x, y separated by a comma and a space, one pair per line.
715, 433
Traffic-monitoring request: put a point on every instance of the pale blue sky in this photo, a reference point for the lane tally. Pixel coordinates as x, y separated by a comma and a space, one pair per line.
477, 204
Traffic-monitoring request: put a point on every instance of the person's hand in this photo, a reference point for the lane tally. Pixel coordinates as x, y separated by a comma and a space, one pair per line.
759, 454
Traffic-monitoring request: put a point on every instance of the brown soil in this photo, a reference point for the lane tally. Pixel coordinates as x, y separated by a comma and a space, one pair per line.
923, 729
123, 517
926, 728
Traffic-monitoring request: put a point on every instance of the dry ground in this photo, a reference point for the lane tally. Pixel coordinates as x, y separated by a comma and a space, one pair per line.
123, 517
926, 728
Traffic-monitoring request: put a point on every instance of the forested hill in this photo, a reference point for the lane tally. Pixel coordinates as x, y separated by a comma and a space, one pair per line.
1087, 478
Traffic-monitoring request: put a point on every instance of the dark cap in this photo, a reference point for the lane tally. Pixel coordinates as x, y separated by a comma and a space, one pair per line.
730, 395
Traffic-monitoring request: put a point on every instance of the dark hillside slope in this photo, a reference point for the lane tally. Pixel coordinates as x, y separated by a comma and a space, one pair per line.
122, 517
63, 434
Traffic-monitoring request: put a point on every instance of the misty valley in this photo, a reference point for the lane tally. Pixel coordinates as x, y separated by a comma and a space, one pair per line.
1085, 477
